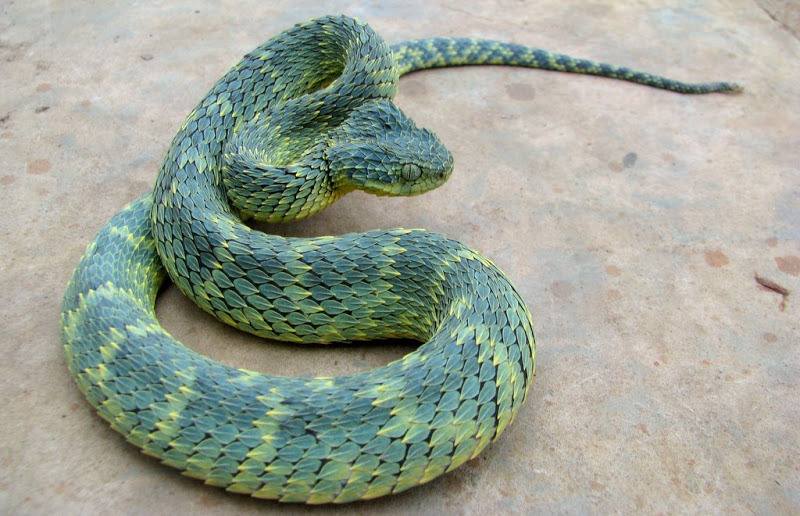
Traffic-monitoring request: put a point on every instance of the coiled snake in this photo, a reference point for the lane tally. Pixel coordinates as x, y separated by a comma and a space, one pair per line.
298, 122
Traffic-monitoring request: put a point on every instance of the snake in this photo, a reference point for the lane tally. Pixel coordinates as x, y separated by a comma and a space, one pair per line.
298, 122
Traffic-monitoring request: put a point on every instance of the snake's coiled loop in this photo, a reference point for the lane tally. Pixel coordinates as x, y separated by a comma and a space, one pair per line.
307, 125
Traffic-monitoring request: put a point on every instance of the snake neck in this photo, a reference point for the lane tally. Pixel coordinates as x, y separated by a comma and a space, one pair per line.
299, 157
280, 193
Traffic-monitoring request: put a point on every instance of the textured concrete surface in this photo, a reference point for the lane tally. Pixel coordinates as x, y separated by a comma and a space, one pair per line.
633, 221
784, 12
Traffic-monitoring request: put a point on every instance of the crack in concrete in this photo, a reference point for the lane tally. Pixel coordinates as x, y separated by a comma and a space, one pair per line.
794, 31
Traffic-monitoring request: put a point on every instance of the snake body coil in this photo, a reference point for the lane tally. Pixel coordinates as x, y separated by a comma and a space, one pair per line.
300, 121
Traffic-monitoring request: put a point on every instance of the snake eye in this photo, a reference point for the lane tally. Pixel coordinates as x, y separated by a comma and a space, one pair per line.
410, 172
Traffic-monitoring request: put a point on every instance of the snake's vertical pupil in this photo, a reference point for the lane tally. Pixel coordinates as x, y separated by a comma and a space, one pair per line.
410, 172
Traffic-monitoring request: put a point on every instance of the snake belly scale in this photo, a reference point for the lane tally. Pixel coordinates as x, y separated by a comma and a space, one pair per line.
298, 122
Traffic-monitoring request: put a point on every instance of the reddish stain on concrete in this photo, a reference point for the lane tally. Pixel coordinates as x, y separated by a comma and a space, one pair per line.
716, 258
597, 486
612, 270
39, 167
43, 87
7, 180
788, 264
770, 337
771, 241
705, 363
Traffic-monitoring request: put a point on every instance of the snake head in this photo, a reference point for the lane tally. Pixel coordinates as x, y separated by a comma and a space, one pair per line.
380, 150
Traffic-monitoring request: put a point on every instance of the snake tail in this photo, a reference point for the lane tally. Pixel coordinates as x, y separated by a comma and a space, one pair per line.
428, 53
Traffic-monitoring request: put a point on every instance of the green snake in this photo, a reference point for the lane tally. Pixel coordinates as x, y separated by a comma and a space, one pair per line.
301, 120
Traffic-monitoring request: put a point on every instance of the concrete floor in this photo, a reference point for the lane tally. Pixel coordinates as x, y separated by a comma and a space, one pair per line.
632, 220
